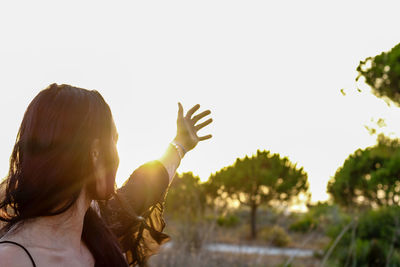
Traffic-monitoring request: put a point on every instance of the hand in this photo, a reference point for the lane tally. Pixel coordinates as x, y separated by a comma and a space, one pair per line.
187, 130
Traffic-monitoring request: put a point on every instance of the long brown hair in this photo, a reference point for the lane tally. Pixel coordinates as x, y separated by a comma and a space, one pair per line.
50, 163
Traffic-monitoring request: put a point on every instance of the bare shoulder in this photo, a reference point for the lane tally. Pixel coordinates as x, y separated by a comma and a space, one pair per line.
13, 256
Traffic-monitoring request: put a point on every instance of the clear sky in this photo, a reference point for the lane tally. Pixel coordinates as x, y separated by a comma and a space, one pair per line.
270, 71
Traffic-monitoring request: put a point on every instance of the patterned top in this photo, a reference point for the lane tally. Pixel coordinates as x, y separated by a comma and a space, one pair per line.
134, 213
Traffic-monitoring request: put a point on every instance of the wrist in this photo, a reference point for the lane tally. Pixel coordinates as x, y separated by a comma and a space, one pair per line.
179, 148
182, 143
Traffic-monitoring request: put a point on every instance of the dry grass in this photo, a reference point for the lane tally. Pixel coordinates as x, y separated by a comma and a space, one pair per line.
176, 257
188, 248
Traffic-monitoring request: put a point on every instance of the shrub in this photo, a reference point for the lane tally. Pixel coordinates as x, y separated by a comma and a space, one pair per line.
372, 239
319, 216
228, 221
304, 224
275, 235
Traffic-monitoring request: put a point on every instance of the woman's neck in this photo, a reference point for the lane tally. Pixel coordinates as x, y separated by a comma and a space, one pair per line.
59, 232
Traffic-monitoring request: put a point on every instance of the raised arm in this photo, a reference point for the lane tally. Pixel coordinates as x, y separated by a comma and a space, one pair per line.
134, 214
147, 185
186, 137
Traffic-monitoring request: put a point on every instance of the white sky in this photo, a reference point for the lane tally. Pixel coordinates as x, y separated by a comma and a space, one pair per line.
270, 71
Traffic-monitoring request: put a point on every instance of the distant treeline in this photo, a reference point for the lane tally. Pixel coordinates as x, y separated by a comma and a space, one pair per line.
362, 217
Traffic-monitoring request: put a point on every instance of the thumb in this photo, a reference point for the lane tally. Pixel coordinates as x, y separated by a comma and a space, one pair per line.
180, 111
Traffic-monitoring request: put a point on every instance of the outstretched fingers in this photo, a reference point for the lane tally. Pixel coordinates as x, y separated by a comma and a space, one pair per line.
191, 111
180, 111
201, 138
189, 129
203, 124
200, 116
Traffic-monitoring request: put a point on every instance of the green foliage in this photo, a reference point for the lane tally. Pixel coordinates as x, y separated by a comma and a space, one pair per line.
382, 73
368, 182
319, 216
369, 177
371, 241
228, 220
261, 179
186, 197
275, 235
304, 224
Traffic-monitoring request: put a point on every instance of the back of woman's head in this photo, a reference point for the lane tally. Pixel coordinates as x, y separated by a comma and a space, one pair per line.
50, 162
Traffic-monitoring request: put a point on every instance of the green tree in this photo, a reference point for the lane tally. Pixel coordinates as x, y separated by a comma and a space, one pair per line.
262, 179
186, 204
382, 73
369, 177
185, 197
372, 240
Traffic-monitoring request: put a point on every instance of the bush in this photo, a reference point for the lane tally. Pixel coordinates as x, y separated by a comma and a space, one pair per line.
228, 221
275, 235
186, 198
372, 239
319, 216
304, 224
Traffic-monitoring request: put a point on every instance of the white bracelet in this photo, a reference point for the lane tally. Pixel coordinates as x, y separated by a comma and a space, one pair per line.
179, 149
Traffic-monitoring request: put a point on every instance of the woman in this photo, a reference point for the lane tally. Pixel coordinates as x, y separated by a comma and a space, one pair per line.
58, 203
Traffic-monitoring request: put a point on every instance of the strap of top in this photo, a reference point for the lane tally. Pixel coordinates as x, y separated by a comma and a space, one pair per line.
21, 246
